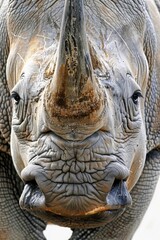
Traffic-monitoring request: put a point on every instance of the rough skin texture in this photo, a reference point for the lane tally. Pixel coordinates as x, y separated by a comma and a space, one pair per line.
20, 225
14, 223
141, 194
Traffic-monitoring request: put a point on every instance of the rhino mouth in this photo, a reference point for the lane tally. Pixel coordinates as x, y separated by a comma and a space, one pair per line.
33, 200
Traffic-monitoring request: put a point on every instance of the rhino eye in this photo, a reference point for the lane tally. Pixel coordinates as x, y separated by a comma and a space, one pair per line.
136, 95
16, 97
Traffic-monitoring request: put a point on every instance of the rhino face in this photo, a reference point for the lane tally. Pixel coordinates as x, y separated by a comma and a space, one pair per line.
78, 136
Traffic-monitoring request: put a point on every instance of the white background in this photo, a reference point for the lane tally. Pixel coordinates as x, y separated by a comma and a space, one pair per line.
148, 230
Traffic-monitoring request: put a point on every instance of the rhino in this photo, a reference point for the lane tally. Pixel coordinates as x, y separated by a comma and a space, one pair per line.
79, 116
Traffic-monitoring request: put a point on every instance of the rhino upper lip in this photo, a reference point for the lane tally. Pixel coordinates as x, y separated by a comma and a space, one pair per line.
33, 199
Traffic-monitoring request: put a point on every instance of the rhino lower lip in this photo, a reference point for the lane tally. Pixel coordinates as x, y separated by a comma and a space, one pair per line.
117, 198
31, 194
33, 200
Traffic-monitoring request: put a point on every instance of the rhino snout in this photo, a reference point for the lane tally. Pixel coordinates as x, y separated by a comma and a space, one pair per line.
75, 199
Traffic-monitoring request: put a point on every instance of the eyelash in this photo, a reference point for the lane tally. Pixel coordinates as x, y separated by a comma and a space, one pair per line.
16, 97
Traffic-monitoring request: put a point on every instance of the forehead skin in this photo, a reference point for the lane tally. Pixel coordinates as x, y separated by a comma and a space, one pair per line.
120, 11
35, 25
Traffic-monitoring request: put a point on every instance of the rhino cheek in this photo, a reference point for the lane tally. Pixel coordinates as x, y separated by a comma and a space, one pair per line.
137, 163
136, 169
17, 160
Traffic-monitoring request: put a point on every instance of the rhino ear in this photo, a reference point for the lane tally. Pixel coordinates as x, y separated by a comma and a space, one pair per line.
73, 80
5, 104
153, 60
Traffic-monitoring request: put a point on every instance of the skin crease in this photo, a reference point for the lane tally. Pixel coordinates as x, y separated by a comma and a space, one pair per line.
66, 147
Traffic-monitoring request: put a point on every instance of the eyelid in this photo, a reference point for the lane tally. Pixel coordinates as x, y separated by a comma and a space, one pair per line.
15, 95
139, 93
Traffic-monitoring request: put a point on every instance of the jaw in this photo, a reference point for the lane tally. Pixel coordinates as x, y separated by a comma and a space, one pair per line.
92, 221
33, 200
89, 220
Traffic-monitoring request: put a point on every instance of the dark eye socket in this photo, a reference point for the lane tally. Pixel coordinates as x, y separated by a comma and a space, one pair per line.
136, 95
16, 97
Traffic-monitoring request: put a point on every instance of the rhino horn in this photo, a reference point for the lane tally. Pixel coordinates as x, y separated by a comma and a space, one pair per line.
74, 91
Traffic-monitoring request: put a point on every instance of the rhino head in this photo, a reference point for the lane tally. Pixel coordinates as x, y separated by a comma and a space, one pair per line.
78, 135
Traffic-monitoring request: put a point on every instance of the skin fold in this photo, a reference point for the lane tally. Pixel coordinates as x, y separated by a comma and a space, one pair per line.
79, 122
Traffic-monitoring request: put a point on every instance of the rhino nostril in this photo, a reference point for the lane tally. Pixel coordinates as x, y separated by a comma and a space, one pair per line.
32, 196
32, 184
29, 174
119, 195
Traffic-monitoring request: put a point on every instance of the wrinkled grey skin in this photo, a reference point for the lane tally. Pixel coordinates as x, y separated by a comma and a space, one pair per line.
67, 148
